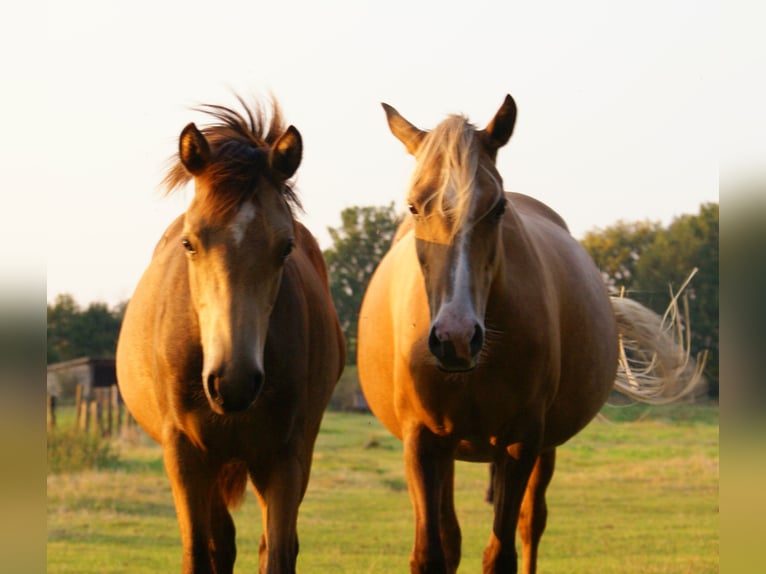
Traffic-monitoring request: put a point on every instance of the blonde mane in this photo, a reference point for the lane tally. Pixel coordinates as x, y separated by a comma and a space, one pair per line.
447, 162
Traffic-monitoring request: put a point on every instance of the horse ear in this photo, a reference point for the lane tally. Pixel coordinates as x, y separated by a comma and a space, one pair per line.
499, 130
286, 153
193, 149
403, 130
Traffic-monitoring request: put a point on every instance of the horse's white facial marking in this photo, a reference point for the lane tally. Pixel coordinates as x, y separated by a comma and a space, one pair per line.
461, 275
458, 301
239, 224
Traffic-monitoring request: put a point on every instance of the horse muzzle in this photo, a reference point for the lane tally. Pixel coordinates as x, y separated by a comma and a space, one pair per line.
455, 352
230, 392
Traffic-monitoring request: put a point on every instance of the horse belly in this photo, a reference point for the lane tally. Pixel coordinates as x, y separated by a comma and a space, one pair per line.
144, 324
134, 376
376, 356
588, 368
374, 364
579, 399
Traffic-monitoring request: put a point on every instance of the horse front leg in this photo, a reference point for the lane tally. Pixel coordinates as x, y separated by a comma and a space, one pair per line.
223, 551
280, 492
429, 465
534, 510
448, 523
191, 481
512, 470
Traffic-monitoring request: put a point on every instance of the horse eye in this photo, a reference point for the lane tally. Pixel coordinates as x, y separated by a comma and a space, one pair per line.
412, 208
500, 209
188, 246
287, 249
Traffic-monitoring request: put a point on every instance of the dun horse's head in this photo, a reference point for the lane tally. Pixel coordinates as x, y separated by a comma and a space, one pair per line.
457, 203
238, 233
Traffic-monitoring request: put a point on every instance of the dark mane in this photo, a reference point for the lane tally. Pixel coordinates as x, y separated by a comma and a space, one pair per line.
239, 145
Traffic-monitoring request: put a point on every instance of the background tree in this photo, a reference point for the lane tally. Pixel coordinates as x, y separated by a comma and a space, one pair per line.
61, 315
74, 332
359, 244
618, 248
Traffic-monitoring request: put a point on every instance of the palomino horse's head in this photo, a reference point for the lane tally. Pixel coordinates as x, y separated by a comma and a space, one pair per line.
238, 233
457, 202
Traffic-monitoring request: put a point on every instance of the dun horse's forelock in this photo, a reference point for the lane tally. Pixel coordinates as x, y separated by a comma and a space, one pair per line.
452, 152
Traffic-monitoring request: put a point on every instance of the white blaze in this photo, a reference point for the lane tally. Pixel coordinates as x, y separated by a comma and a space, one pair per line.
461, 293
239, 224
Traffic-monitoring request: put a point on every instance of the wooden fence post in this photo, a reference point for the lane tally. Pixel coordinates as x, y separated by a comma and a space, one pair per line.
78, 414
91, 412
109, 410
117, 408
98, 398
51, 410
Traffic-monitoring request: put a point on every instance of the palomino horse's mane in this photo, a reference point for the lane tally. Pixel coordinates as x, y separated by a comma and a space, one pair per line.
239, 146
447, 163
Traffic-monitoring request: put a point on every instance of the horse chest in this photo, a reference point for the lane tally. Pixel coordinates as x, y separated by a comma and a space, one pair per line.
465, 407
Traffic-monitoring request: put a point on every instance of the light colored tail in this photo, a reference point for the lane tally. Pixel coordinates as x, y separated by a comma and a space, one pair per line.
655, 364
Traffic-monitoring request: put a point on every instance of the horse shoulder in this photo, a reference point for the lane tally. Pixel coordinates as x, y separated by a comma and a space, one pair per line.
310, 247
313, 284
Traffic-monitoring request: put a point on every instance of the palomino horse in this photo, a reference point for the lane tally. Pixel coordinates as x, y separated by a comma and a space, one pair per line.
230, 347
486, 334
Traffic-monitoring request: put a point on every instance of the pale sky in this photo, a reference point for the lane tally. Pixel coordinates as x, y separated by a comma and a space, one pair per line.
614, 99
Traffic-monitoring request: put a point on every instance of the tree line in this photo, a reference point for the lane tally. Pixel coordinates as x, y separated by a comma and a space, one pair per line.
645, 259
75, 332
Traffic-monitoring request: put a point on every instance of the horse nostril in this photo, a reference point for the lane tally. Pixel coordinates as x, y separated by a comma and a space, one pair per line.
477, 341
242, 394
456, 356
213, 388
434, 344
443, 350
233, 391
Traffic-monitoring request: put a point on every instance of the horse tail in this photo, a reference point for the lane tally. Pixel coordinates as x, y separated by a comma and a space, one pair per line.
232, 483
655, 362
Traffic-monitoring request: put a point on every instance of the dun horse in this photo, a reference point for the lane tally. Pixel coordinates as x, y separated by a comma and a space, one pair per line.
486, 334
230, 347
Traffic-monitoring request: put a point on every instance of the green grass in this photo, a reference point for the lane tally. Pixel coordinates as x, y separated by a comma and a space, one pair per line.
629, 497
72, 451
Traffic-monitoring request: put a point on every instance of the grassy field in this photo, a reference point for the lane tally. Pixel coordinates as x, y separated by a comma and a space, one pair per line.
635, 496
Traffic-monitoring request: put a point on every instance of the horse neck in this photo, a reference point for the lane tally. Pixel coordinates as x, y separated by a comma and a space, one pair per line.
517, 256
